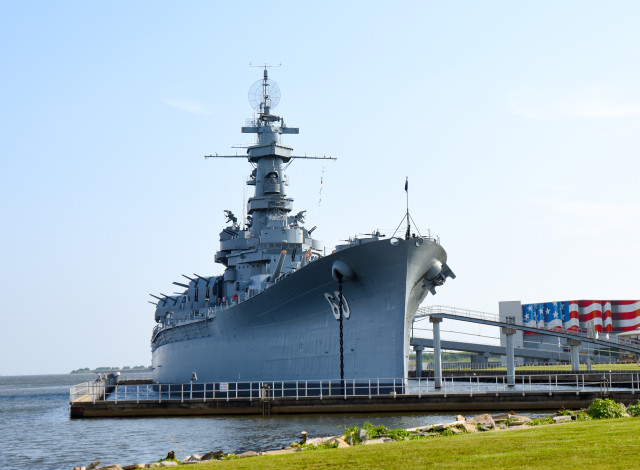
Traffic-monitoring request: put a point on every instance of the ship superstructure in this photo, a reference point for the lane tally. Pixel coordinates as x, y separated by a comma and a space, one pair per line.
272, 314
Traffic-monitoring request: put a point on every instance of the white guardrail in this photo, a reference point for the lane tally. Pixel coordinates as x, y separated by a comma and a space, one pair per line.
320, 389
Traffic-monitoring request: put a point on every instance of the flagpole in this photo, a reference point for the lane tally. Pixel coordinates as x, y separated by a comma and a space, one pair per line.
406, 189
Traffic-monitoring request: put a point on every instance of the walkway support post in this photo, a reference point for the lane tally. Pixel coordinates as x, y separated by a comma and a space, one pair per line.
574, 344
437, 352
418, 349
511, 361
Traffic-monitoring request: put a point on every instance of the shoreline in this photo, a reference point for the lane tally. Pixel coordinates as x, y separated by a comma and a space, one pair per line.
370, 434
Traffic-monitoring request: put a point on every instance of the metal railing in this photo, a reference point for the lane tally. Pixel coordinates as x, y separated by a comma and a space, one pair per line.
351, 388
459, 312
88, 391
536, 366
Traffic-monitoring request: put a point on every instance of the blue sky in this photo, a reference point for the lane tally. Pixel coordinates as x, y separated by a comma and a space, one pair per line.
516, 122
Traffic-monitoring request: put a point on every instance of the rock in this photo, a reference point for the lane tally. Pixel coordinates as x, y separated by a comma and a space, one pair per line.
341, 442
168, 463
460, 418
195, 458
455, 430
217, 455
525, 419
501, 416
485, 427
93, 465
248, 453
502, 425
134, 466
318, 440
561, 419
369, 442
443, 426
469, 427
115, 466
278, 452
79, 468
152, 465
363, 435
516, 422
484, 419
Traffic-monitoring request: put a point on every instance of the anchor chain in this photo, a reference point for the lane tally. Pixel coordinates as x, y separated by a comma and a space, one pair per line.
341, 333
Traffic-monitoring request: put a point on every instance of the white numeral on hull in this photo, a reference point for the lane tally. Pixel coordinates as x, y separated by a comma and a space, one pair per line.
334, 301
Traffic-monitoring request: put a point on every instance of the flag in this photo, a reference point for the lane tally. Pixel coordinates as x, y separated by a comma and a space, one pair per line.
626, 315
406, 185
553, 316
590, 315
572, 323
529, 315
607, 318
540, 316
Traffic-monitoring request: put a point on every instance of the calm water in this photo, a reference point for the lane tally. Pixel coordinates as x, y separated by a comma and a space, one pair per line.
38, 434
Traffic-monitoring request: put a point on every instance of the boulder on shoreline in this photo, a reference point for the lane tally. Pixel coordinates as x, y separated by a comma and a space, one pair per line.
217, 455
248, 453
484, 419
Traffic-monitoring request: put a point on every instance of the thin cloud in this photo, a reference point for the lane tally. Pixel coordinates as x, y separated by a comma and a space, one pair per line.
188, 106
588, 103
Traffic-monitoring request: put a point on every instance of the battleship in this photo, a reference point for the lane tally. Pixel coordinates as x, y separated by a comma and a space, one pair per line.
285, 310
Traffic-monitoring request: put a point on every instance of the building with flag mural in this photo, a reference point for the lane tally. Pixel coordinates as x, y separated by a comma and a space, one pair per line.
591, 317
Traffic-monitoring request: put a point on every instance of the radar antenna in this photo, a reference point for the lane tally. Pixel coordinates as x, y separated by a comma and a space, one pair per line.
264, 95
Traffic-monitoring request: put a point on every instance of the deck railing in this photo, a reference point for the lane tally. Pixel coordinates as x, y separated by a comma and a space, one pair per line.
323, 389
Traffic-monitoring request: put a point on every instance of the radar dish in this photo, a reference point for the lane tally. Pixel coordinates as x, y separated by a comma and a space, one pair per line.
264, 94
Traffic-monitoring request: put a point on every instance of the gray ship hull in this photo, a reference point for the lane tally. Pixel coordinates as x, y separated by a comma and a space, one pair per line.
289, 332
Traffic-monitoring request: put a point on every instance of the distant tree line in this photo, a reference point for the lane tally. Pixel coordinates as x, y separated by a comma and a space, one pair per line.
87, 370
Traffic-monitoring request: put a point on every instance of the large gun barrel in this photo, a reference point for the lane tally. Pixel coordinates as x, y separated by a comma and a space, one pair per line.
278, 269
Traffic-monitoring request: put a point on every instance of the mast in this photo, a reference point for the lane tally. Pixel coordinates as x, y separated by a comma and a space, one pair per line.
268, 156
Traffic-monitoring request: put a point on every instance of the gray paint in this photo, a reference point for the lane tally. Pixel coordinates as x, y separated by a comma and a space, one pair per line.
282, 326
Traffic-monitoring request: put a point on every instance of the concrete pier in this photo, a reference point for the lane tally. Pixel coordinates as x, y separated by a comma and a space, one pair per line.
505, 401
437, 351
574, 344
418, 349
511, 361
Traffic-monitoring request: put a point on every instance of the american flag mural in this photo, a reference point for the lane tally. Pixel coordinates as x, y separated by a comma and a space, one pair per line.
587, 315
540, 315
590, 315
574, 317
552, 316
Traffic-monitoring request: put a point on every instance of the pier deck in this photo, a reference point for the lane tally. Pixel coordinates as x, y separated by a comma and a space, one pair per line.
407, 395
458, 403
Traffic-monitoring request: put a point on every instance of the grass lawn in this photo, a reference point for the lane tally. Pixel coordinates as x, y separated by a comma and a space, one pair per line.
599, 444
